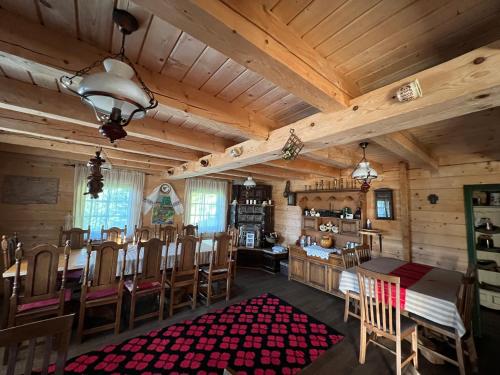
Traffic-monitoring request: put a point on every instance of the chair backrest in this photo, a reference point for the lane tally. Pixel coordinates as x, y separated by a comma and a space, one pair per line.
42, 263
466, 299
168, 233
221, 250
57, 334
104, 267
113, 233
78, 237
380, 302
235, 232
143, 233
190, 230
151, 261
8, 248
349, 258
363, 253
186, 250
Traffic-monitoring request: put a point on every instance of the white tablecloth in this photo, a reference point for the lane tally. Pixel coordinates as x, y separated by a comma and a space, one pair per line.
320, 252
433, 297
131, 257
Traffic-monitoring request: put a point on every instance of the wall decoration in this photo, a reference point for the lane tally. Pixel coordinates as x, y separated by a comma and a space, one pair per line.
432, 198
30, 190
165, 204
384, 209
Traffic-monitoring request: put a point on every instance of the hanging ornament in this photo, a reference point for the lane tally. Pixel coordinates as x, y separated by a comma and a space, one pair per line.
292, 147
95, 184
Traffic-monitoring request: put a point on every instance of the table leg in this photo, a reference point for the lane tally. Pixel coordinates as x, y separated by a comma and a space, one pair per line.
7, 291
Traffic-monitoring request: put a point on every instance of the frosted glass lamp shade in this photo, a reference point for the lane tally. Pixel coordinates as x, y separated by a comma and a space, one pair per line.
114, 88
249, 183
364, 172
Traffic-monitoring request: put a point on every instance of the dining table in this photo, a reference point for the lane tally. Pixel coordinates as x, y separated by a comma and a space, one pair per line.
430, 292
78, 258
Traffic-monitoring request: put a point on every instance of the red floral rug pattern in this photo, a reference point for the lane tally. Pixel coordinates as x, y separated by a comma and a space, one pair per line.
263, 335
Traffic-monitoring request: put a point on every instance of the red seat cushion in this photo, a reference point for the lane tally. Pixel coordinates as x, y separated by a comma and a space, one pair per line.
98, 294
129, 284
43, 303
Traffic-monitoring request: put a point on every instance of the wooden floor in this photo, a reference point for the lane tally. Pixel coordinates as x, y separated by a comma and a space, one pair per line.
342, 358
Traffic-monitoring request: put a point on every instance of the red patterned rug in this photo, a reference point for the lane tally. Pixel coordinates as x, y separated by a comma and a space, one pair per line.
262, 335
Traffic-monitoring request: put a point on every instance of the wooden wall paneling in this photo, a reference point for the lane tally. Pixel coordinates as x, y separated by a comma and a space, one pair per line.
286, 11
207, 64
133, 42
95, 22
159, 41
238, 86
338, 19
23, 8
29, 190
185, 53
312, 15
406, 233
59, 15
227, 72
364, 22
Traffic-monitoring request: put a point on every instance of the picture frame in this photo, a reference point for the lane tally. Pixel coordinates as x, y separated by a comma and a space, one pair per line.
384, 206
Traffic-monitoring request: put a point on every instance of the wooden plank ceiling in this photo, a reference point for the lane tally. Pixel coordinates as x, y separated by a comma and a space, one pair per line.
358, 45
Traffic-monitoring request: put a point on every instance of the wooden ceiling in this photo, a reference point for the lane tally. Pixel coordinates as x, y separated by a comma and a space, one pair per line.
366, 43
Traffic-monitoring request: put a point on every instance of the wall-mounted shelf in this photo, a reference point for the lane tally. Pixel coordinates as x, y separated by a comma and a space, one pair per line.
329, 191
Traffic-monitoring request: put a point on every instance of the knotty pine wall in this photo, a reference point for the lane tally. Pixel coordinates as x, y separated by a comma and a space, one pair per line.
39, 223
438, 231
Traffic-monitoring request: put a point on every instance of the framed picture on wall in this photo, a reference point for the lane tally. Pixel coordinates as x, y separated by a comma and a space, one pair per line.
250, 240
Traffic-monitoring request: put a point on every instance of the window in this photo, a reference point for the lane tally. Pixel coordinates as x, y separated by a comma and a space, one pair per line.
383, 204
206, 203
118, 205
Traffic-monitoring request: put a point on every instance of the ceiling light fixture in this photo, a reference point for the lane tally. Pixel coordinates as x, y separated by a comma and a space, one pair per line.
249, 183
363, 172
113, 95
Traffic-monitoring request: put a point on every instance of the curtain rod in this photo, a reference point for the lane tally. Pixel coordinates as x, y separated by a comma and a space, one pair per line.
74, 165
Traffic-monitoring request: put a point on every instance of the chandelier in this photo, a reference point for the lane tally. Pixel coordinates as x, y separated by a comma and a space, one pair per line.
363, 172
113, 95
249, 183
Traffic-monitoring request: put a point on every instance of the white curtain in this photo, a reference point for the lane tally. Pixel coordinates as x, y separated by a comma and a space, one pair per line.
118, 205
206, 204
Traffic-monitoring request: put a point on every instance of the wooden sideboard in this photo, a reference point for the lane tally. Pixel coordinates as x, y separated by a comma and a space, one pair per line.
323, 274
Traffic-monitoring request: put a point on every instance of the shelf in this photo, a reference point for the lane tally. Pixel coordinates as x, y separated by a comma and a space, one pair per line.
482, 230
485, 206
332, 217
347, 234
329, 191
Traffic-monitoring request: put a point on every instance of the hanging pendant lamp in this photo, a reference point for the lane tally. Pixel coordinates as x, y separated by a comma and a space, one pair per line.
363, 172
249, 183
113, 94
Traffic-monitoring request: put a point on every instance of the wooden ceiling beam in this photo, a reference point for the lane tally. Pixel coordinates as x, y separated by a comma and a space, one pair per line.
38, 101
275, 172
13, 122
466, 84
60, 150
408, 148
250, 35
305, 166
243, 176
45, 52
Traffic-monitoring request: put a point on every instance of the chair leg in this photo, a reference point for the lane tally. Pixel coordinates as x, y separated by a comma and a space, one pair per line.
414, 347
171, 305
362, 344
346, 308
195, 294
162, 304
81, 322
228, 288
460, 355
398, 355
118, 316
132, 312
471, 350
209, 291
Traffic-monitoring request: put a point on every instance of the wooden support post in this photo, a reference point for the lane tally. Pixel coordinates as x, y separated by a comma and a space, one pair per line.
404, 187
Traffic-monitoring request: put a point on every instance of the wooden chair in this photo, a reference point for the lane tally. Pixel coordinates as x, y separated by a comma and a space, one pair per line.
78, 237
465, 305
102, 287
56, 333
235, 232
168, 233
185, 270
143, 233
41, 296
363, 253
381, 316
150, 280
350, 259
219, 268
8, 247
190, 230
114, 234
